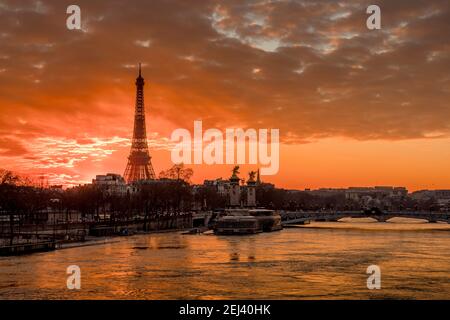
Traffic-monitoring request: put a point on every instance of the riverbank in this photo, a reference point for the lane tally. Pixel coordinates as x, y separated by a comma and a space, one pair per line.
30, 248
48, 237
93, 241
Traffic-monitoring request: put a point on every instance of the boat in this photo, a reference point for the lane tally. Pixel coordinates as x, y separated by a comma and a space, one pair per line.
269, 220
247, 221
237, 225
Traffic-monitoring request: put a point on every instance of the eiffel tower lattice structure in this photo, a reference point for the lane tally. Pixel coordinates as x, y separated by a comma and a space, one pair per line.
139, 165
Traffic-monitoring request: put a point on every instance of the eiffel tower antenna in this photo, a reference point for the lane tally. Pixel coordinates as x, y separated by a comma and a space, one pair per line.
139, 166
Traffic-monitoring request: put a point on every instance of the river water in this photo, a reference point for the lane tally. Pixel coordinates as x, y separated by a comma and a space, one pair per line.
318, 261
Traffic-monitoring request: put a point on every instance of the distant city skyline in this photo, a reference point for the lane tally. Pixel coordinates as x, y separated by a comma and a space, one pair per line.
355, 107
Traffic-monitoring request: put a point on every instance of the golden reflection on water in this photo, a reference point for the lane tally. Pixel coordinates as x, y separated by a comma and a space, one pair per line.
318, 261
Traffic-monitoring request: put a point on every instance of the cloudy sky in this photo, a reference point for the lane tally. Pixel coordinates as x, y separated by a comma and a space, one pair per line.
354, 106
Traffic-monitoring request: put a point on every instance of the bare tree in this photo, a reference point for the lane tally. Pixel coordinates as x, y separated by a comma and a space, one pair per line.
177, 172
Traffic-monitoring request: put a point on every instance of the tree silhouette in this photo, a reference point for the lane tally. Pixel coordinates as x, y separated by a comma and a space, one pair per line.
177, 172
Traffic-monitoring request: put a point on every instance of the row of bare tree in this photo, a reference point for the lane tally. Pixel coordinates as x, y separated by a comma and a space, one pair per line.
173, 194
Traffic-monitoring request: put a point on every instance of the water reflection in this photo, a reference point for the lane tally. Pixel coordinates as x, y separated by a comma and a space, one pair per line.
320, 261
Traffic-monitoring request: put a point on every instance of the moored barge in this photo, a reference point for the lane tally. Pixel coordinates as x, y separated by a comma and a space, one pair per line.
247, 221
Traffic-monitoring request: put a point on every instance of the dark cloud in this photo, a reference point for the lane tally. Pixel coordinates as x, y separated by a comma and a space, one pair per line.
11, 147
310, 68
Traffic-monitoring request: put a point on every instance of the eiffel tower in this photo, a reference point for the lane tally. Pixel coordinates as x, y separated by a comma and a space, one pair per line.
139, 165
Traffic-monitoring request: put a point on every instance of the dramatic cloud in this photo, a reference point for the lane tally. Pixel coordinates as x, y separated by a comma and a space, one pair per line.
310, 68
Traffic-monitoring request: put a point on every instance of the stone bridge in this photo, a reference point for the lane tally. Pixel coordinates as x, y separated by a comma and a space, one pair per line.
301, 217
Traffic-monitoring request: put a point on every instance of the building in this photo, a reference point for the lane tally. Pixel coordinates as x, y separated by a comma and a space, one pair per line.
326, 192
378, 192
440, 197
111, 184
220, 185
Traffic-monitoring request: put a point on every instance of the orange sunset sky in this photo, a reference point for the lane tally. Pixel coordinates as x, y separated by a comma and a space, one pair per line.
354, 107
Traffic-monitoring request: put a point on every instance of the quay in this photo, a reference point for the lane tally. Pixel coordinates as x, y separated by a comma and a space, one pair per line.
25, 248
48, 236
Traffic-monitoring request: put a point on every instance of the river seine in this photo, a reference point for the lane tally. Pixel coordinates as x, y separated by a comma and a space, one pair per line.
317, 261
